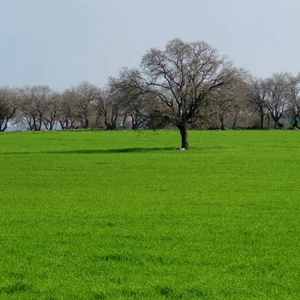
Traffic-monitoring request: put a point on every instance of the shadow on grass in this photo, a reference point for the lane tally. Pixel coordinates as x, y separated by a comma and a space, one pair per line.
98, 151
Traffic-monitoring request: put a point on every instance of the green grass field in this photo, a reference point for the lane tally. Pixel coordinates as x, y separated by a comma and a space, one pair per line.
124, 215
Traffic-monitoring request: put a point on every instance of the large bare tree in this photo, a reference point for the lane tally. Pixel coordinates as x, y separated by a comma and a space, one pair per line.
183, 76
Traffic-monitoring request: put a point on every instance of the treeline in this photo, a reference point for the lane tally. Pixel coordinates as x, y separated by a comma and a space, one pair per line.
187, 85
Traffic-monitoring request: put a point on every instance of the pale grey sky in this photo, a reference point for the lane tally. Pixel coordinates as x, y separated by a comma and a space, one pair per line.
63, 42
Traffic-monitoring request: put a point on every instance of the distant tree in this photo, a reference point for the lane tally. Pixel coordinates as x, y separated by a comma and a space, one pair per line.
68, 113
86, 96
34, 104
182, 76
139, 104
228, 102
257, 93
53, 109
294, 99
110, 106
277, 95
240, 110
8, 106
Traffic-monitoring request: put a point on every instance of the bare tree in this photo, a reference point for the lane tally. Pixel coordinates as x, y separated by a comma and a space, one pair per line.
182, 76
294, 99
34, 105
225, 100
138, 103
277, 94
110, 106
257, 93
51, 115
239, 110
8, 106
86, 96
67, 115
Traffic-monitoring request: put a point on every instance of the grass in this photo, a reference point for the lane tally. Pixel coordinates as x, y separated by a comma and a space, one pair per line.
124, 215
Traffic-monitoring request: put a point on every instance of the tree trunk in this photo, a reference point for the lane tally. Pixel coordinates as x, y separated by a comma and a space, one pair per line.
262, 120
62, 125
276, 121
295, 124
3, 126
124, 120
234, 122
222, 127
134, 126
268, 121
184, 137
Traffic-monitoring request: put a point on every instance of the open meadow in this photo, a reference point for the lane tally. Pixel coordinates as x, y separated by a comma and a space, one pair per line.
125, 215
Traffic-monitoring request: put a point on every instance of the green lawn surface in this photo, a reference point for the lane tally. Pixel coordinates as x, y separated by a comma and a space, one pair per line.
125, 215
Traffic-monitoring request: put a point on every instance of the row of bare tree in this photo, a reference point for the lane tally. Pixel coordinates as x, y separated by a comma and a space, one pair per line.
82, 106
186, 85
276, 97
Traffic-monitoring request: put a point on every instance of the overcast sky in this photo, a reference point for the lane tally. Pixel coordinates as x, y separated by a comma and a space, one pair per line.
63, 42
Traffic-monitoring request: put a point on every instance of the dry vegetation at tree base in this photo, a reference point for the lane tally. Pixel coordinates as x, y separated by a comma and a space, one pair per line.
124, 215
